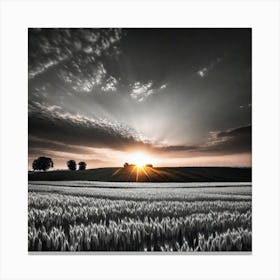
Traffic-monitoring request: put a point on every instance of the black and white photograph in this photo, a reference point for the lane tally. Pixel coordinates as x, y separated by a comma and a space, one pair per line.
139, 140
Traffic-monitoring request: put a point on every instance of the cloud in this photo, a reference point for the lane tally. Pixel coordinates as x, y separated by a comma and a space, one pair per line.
163, 86
176, 148
84, 83
110, 84
38, 145
231, 141
53, 125
235, 140
204, 71
141, 91
49, 47
72, 59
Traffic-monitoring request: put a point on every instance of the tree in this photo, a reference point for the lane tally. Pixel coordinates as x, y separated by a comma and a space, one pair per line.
42, 163
125, 165
35, 164
82, 165
72, 164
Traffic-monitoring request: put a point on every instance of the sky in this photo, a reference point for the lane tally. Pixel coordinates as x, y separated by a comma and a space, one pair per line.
181, 97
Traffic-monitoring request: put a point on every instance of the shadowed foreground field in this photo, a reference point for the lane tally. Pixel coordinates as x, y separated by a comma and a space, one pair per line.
148, 174
62, 217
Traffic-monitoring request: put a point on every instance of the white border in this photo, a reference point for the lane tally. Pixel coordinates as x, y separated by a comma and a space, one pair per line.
17, 16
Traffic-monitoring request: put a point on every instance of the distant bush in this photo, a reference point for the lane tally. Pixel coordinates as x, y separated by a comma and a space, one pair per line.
42, 163
71, 164
126, 165
82, 165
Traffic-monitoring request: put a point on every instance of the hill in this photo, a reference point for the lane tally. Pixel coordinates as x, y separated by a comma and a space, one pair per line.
148, 174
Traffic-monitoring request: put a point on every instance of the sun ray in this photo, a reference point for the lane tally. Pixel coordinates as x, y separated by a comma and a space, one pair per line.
117, 172
145, 171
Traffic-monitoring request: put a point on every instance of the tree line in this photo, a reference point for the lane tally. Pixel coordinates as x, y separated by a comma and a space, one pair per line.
45, 163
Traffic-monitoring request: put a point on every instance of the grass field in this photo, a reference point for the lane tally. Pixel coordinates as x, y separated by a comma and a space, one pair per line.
90, 216
159, 174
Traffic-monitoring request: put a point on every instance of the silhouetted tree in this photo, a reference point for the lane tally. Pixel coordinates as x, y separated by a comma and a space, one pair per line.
71, 164
35, 164
82, 165
125, 165
42, 163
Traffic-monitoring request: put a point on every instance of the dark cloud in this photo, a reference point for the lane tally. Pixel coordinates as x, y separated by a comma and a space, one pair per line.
236, 140
38, 145
178, 148
232, 141
53, 124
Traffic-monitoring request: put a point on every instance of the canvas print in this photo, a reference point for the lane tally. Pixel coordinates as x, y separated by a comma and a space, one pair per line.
139, 140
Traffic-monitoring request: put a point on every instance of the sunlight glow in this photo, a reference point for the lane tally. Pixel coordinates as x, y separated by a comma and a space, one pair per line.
140, 159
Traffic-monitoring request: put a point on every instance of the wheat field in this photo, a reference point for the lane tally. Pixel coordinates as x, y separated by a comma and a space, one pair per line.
65, 218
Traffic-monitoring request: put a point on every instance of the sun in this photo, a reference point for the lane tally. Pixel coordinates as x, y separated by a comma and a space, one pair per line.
140, 159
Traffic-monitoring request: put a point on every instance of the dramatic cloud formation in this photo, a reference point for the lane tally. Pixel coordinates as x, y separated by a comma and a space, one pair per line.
74, 50
100, 94
53, 129
110, 84
52, 123
141, 92
231, 141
